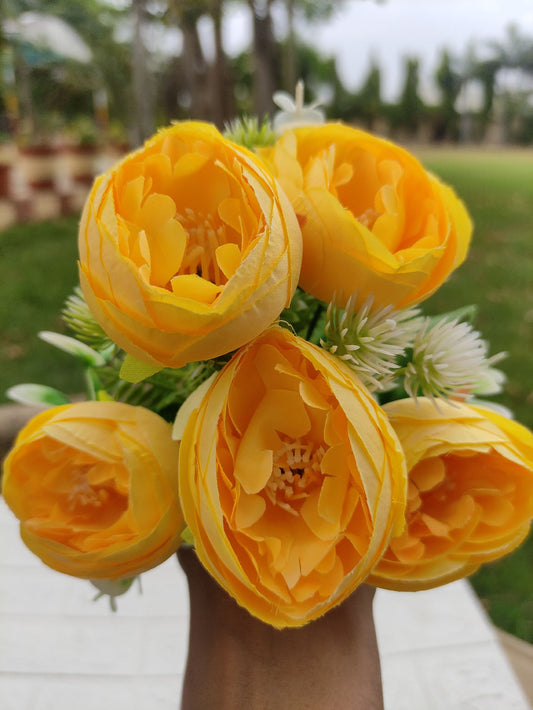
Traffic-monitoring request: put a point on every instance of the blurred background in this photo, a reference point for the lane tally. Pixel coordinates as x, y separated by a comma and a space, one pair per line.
83, 81
113, 70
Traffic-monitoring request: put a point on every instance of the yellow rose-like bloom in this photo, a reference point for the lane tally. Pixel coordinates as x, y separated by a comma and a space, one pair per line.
291, 479
188, 248
373, 220
95, 487
470, 496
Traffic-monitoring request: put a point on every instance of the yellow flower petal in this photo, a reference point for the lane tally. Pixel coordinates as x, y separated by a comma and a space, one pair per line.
228, 257
280, 411
428, 474
195, 287
250, 509
471, 478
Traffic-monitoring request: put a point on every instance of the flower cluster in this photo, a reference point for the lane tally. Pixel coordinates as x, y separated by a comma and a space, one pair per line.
248, 303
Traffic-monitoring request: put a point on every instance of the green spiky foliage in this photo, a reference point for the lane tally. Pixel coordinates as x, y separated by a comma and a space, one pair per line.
80, 322
164, 392
250, 133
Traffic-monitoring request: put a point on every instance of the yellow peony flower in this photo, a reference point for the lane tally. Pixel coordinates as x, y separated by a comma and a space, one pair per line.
470, 496
188, 248
95, 487
373, 220
291, 479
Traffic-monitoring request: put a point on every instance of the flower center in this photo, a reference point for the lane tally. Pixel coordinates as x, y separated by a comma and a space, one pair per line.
83, 495
96, 501
440, 511
296, 471
205, 234
368, 217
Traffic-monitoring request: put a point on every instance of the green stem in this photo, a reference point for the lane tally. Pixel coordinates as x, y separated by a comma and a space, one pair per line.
314, 320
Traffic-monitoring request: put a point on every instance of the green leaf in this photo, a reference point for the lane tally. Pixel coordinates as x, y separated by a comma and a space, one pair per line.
187, 537
74, 347
37, 395
135, 371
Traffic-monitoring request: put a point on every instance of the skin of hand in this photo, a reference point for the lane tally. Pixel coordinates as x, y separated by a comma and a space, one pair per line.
237, 662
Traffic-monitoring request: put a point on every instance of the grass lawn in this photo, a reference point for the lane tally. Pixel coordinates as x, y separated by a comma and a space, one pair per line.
38, 270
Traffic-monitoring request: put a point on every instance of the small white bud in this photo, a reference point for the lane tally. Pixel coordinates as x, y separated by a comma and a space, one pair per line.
294, 112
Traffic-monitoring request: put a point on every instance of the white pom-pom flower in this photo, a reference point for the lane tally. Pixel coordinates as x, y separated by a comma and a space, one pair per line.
370, 339
450, 360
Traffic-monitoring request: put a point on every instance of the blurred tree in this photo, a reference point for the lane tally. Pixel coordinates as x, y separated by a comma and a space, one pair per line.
242, 72
344, 105
410, 107
96, 22
265, 62
515, 51
264, 54
316, 70
369, 97
204, 88
67, 85
209, 89
486, 73
449, 82
223, 106
514, 59
143, 88
312, 11
186, 15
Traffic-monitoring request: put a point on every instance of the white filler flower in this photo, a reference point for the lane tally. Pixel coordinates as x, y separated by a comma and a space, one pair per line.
371, 339
450, 359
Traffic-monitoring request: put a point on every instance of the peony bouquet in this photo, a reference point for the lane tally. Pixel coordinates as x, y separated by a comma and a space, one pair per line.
262, 384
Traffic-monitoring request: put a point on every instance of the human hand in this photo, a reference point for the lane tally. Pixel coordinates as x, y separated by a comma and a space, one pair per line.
237, 662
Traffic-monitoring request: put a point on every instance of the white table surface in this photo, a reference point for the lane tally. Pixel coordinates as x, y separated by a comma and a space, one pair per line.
61, 651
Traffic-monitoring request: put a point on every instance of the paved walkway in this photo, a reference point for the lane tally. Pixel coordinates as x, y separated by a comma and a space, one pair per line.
61, 651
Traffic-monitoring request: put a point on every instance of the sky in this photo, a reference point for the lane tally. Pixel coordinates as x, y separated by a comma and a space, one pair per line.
390, 30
